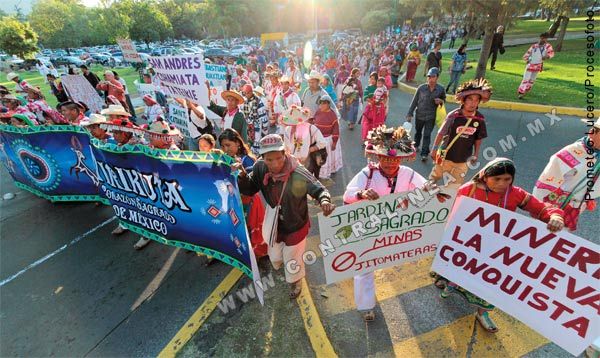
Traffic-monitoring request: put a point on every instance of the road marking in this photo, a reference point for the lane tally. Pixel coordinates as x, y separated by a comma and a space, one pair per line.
57, 251
451, 340
513, 339
312, 323
199, 317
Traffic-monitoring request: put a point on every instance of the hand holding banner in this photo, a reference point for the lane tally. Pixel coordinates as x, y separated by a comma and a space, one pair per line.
374, 234
182, 76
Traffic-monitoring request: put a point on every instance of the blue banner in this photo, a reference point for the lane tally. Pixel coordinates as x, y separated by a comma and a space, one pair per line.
50, 161
180, 198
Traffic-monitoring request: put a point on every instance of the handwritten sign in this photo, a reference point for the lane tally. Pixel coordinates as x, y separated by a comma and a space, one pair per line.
81, 90
547, 280
182, 76
179, 117
374, 234
130, 54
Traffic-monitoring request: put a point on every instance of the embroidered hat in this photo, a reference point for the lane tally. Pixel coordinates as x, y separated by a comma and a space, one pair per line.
296, 115
123, 125
479, 86
390, 142
271, 143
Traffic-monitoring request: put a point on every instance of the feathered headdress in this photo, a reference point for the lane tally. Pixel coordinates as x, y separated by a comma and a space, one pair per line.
390, 142
478, 86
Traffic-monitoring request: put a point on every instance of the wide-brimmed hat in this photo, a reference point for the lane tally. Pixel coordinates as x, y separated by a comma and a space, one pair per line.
595, 125
259, 91
295, 115
94, 118
23, 118
123, 125
234, 94
271, 143
479, 86
10, 97
115, 110
390, 142
149, 98
11, 76
314, 75
285, 78
161, 129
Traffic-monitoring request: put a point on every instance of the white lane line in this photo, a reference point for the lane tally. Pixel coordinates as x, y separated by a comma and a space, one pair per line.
62, 248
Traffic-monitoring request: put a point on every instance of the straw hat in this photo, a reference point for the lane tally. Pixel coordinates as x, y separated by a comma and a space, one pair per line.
123, 125
94, 118
234, 94
259, 91
116, 110
295, 115
11, 76
160, 128
314, 75
595, 125
285, 78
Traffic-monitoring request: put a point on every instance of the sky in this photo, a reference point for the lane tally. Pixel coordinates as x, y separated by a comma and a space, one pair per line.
25, 5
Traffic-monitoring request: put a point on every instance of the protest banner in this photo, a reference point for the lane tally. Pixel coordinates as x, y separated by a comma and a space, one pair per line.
549, 281
49, 161
216, 75
373, 234
182, 76
179, 117
130, 54
179, 198
79, 89
145, 89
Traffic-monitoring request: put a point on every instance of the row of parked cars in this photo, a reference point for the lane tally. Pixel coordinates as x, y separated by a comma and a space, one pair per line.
111, 55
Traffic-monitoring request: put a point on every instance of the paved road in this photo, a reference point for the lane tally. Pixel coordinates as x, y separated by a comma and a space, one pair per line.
94, 295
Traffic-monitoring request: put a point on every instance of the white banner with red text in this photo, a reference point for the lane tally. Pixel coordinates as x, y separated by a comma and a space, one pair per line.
373, 234
549, 281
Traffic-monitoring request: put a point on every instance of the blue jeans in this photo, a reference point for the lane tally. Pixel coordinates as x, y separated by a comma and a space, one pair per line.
454, 79
349, 113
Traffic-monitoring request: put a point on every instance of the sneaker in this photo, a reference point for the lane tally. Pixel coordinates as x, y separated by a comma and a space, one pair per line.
424, 158
142, 242
118, 230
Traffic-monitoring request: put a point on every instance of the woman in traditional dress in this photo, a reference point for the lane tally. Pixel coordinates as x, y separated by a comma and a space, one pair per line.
494, 185
232, 144
413, 60
389, 148
328, 123
303, 140
374, 114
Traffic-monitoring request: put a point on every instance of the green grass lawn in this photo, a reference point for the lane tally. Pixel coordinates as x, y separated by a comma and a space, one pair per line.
35, 79
528, 28
559, 84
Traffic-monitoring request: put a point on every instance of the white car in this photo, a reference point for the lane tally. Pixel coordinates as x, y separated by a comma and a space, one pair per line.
239, 50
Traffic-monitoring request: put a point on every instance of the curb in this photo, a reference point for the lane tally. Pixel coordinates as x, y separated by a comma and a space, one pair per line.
515, 106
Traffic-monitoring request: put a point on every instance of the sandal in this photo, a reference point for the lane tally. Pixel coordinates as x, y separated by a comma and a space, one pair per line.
369, 316
486, 322
295, 289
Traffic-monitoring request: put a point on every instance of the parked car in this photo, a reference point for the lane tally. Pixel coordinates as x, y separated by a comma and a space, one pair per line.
68, 61
217, 52
239, 50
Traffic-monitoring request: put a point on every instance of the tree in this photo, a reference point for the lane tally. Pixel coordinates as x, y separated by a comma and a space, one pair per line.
561, 8
17, 38
375, 20
59, 23
149, 24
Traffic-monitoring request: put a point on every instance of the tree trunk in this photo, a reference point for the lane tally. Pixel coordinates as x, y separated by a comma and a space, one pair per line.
490, 26
554, 27
561, 34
